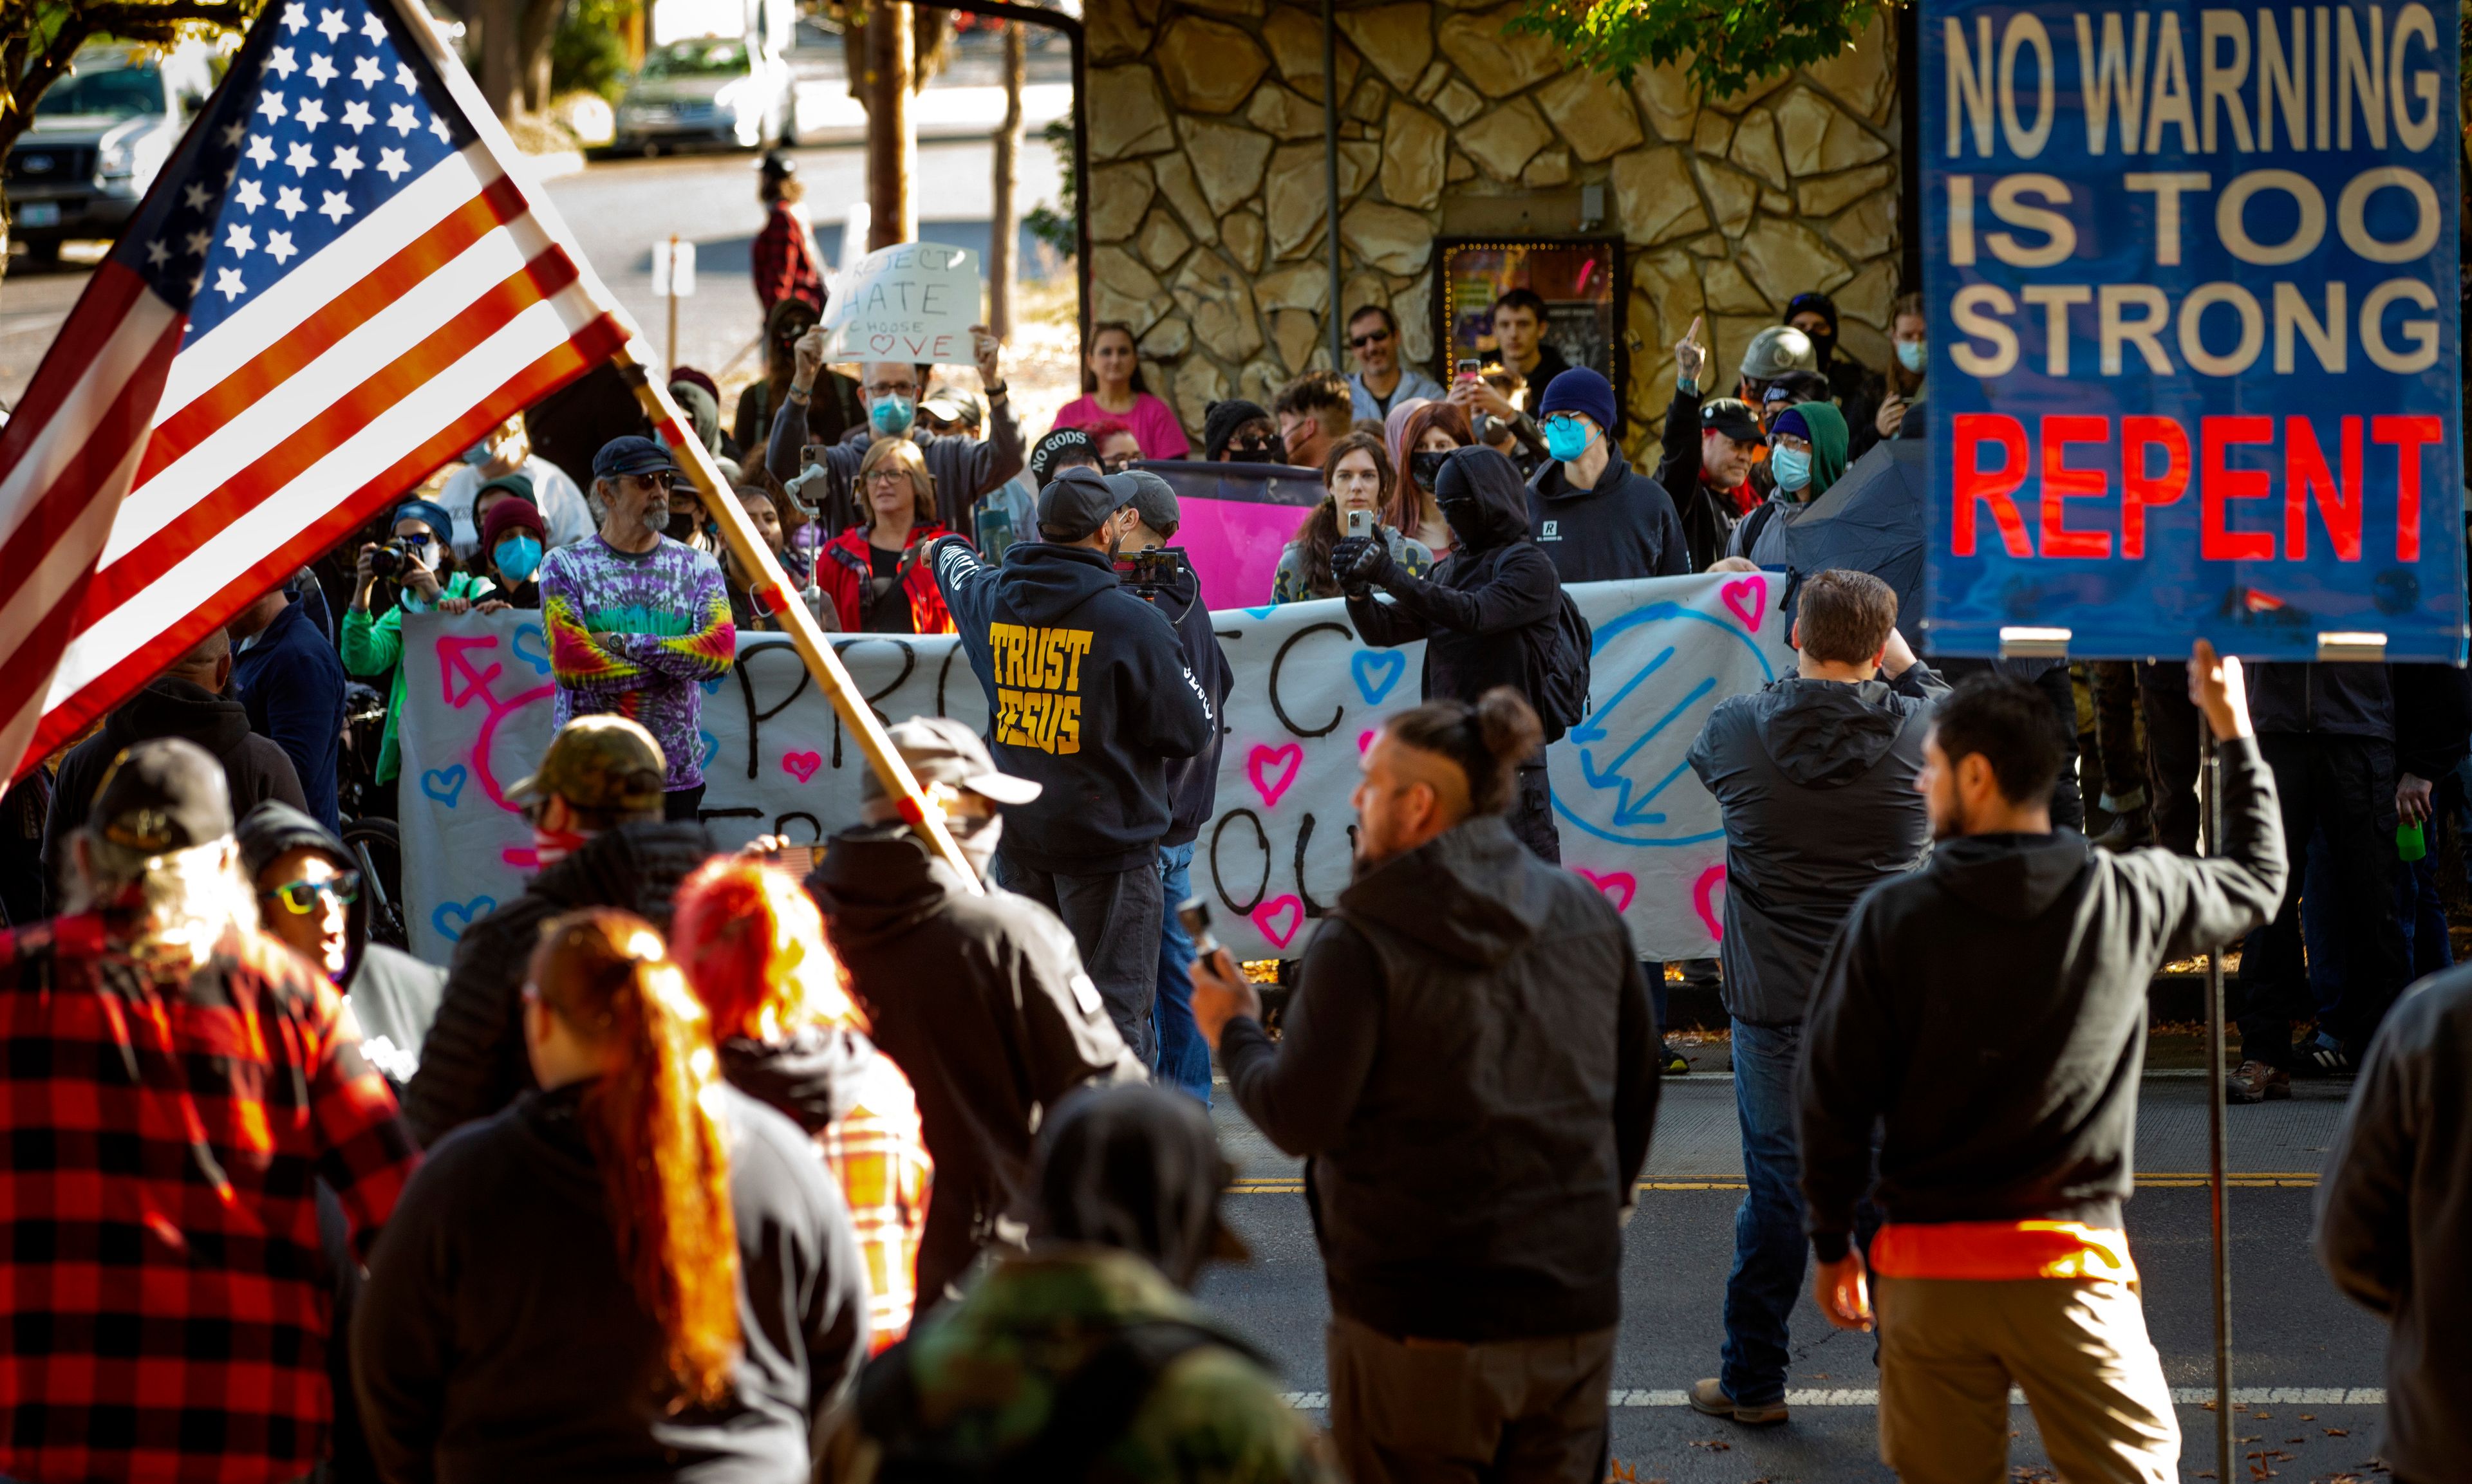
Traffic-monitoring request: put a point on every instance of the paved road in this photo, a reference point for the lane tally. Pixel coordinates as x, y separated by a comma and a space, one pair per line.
2302, 1352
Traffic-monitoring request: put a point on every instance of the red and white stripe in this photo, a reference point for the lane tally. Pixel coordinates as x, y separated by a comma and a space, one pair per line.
270, 438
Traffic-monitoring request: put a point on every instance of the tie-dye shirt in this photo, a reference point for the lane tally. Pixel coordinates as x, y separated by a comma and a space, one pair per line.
636, 635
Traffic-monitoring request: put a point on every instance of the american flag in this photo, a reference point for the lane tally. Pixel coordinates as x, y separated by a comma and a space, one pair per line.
334, 287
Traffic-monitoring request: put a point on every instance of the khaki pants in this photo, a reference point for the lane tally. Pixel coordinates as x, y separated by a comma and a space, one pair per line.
1410, 1412
2077, 1347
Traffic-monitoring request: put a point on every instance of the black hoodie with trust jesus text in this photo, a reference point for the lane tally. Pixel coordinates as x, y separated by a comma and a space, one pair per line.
1088, 693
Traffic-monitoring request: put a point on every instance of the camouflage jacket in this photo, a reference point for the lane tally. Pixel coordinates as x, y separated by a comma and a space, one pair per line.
987, 1366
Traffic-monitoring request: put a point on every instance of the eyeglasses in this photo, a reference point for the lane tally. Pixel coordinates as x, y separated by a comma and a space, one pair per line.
1564, 419
893, 388
888, 475
1117, 463
1362, 342
301, 897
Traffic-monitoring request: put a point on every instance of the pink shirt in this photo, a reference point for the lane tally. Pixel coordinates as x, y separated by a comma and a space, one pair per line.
1154, 427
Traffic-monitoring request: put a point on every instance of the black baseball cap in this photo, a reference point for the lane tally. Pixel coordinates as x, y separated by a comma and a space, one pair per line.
632, 454
161, 795
1731, 416
1152, 496
1078, 502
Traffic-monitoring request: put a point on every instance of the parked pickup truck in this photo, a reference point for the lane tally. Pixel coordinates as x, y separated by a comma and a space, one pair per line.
99, 136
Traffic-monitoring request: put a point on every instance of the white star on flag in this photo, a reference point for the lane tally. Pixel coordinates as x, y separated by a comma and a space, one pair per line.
374, 29
240, 239
279, 63
295, 16
288, 200
303, 157
272, 105
197, 242
404, 78
356, 116
437, 127
261, 151
347, 159
321, 71
310, 112
193, 196
334, 209
330, 24
251, 196
401, 119
233, 133
367, 73
156, 254
228, 283
393, 164
278, 246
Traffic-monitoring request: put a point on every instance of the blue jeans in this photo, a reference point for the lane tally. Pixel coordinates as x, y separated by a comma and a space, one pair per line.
1183, 1056
1769, 1249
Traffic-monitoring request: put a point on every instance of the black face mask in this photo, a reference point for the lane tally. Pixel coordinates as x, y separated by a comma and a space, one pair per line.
682, 525
1466, 520
1253, 450
1426, 464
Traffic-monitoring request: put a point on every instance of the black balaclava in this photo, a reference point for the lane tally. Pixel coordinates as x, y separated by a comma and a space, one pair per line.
1219, 425
1483, 497
1824, 344
1135, 1167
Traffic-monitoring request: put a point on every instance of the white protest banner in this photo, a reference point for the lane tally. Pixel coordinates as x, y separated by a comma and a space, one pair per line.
912, 302
1275, 857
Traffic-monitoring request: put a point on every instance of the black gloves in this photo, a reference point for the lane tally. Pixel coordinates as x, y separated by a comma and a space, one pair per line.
1359, 563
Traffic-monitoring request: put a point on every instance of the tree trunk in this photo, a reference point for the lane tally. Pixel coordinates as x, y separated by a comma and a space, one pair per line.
1004, 231
541, 29
502, 60
893, 213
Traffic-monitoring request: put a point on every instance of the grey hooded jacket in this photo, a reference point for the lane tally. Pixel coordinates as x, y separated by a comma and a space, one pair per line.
1817, 781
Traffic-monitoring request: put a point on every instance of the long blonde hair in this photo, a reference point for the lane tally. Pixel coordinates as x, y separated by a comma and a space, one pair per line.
657, 1132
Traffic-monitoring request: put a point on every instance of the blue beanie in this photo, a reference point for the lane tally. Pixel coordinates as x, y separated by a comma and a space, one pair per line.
1580, 389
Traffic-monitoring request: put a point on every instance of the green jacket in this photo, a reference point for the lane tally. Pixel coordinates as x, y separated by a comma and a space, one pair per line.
373, 647
988, 1365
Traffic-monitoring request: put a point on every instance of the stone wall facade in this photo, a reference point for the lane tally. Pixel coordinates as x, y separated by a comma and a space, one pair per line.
1207, 206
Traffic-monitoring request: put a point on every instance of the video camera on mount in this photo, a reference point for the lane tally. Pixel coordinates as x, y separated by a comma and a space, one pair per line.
1153, 572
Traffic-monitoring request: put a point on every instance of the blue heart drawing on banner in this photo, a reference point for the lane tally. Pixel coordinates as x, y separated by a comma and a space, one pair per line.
538, 656
445, 785
712, 687
1257, 615
451, 918
1365, 662
711, 748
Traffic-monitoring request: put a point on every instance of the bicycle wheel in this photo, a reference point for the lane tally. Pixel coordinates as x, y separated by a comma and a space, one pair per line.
378, 842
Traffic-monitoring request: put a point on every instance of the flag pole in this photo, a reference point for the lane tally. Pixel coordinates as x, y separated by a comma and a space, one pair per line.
771, 592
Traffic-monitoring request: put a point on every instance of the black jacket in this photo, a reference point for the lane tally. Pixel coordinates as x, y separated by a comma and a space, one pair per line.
1476, 611
1817, 782
1989, 1010
473, 1062
500, 1339
2343, 700
1089, 691
812, 1078
254, 767
291, 680
1470, 1064
981, 999
2394, 1218
1707, 517
1193, 783
1625, 527
2433, 719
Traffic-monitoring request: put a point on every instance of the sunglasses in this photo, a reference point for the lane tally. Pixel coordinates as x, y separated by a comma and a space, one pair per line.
1362, 342
301, 897
423, 539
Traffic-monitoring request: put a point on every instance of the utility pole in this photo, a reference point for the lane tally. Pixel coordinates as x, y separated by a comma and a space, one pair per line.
1004, 231
892, 216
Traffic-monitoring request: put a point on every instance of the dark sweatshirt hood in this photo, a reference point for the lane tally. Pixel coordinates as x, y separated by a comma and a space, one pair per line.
1501, 494
813, 1077
275, 827
635, 867
1824, 734
1461, 894
2013, 877
1043, 581
878, 882
180, 707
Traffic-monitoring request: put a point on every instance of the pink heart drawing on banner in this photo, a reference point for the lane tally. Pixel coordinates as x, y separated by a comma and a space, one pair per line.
1619, 886
1287, 761
1364, 740
801, 764
1753, 589
1702, 900
1279, 918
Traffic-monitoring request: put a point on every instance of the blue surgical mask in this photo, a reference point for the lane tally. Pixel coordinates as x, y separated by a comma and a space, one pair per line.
1566, 439
1913, 355
1792, 467
518, 557
892, 414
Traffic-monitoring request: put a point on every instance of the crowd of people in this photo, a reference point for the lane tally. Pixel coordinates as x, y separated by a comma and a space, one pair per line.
864, 1163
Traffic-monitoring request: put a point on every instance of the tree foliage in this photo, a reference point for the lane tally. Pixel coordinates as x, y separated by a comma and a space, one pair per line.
1730, 43
39, 38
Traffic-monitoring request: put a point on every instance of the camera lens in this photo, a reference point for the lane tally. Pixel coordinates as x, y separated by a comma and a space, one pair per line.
387, 561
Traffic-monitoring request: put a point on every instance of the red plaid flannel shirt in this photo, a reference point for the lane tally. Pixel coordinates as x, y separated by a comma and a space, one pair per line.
164, 1305
878, 1154
785, 259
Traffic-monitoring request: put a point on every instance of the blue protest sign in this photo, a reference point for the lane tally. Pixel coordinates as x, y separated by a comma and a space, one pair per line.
2195, 352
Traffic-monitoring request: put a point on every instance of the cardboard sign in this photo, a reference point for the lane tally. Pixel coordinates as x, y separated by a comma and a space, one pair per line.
1276, 853
912, 302
2195, 350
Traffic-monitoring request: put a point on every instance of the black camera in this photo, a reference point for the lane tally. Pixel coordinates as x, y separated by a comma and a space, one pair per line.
1153, 572
392, 560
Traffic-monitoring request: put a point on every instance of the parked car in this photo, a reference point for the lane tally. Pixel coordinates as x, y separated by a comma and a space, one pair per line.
99, 136
708, 90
